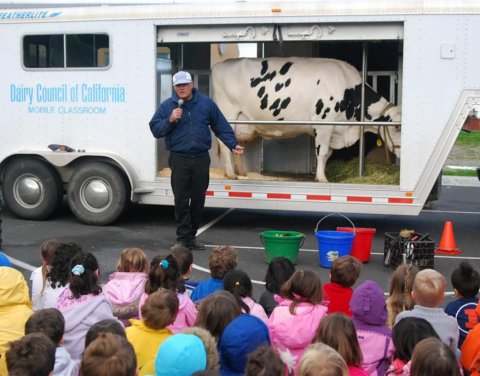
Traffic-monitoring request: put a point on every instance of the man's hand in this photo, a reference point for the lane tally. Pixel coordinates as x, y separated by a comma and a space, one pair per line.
238, 150
176, 115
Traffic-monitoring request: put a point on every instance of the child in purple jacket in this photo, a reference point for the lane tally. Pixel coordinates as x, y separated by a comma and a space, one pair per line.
82, 304
369, 315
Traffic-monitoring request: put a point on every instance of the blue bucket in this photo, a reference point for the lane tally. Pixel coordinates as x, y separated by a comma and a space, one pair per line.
332, 245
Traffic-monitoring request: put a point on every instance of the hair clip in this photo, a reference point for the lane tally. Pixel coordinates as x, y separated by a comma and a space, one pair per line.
237, 283
164, 264
78, 270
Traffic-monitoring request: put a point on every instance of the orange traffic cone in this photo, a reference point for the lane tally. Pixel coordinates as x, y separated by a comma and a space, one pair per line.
447, 244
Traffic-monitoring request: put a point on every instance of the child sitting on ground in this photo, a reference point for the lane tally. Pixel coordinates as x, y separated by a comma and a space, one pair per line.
184, 257
50, 322
320, 359
126, 286
428, 293
39, 275
433, 357
239, 284
338, 292
406, 334
221, 260
58, 275
216, 311
279, 271
295, 320
15, 309
471, 351
82, 304
337, 331
400, 296
164, 272
369, 315
32, 355
158, 312
107, 355
465, 282
104, 326
264, 361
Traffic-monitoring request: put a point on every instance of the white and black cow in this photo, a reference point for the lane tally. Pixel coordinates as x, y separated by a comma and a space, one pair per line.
297, 89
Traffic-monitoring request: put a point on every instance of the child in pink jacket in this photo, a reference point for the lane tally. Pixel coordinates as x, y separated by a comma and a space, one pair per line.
126, 286
294, 321
164, 272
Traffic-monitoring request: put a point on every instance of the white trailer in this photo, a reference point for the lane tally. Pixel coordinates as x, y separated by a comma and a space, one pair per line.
90, 76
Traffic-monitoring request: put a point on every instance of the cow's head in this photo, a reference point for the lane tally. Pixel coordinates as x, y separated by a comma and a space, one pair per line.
391, 135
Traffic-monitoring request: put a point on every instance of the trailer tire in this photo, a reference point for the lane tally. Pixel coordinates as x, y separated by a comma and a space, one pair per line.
98, 193
31, 189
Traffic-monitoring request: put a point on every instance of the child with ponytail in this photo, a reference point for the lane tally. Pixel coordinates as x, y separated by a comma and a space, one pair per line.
240, 285
82, 303
165, 273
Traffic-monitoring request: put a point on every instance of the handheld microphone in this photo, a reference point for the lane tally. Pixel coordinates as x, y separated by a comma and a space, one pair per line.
180, 104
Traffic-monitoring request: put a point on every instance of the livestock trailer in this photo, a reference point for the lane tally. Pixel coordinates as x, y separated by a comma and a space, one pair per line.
81, 80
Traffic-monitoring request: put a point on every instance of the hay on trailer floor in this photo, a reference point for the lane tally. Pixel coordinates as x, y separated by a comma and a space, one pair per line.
337, 172
375, 173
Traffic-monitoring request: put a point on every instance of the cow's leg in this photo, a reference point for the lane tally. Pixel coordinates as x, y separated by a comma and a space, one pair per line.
323, 135
226, 160
244, 133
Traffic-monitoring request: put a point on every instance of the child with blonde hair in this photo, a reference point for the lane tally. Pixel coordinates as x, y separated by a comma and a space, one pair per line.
158, 312
428, 293
321, 360
164, 273
126, 286
400, 294
295, 320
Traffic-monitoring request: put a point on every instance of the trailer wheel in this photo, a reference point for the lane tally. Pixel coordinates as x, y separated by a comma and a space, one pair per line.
97, 193
31, 189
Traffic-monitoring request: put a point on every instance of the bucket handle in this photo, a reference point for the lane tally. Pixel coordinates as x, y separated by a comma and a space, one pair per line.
261, 239
340, 214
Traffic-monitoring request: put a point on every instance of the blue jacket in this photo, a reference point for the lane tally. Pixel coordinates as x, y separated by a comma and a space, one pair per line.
205, 288
190, 136
460, 309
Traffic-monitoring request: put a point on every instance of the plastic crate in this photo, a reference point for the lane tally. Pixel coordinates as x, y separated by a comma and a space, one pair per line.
419, 253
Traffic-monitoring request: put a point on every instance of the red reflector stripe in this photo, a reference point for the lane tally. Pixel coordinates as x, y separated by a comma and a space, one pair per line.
399, 200
286, 196
210, 193
319, 197
359, 199
240, 194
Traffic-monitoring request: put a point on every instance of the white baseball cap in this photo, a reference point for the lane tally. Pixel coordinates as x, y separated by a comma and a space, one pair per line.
181, 77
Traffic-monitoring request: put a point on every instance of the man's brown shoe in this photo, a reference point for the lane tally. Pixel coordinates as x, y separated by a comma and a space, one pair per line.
197, 244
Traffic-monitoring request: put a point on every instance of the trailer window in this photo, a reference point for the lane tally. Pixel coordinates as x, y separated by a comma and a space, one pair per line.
66, 51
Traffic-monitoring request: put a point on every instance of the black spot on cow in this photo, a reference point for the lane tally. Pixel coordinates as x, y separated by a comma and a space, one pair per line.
288, 82
318, 82
314, 132
331, 98
278, 86
264, 102
261, 91
350, 104
255, 81
285, 103
276, 112
337, 107
318, 150
327, 110
264, 67
285, 68
275, 104
319, 106
281, 119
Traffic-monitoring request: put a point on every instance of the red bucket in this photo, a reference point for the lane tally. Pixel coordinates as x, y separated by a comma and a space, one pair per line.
362, 243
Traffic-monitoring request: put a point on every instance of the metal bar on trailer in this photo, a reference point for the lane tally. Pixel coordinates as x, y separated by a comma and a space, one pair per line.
312, 122
361, 150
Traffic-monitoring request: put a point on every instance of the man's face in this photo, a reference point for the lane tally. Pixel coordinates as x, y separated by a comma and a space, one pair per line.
184, 91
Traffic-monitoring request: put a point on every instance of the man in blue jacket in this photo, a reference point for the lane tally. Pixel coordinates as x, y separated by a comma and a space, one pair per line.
185, 121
